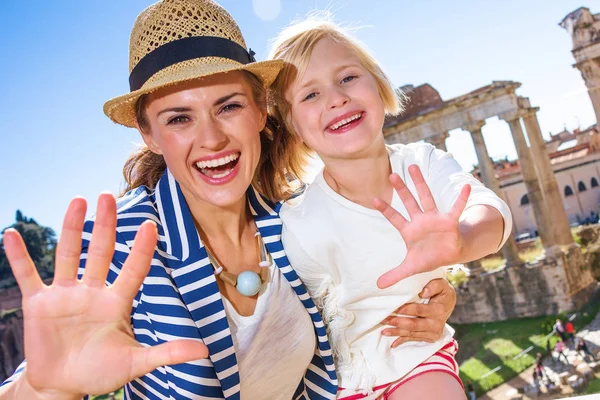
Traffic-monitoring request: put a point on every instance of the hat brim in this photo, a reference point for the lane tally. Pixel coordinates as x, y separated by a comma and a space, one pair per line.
122, 109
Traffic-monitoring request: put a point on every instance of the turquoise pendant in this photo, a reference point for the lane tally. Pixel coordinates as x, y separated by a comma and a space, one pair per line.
248, 283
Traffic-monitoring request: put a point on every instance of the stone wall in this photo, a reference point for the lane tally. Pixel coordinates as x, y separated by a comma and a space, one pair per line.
544, 288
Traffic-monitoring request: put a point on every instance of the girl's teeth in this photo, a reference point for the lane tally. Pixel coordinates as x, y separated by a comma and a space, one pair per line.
344, 122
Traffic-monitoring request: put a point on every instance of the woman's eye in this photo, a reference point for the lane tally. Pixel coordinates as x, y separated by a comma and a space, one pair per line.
349, 78
180, 119
310, 96
231, 107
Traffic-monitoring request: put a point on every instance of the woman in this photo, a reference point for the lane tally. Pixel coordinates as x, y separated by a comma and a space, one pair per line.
219, 283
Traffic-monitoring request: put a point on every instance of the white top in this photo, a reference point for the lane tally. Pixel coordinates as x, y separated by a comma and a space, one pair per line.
339, 249
275, 345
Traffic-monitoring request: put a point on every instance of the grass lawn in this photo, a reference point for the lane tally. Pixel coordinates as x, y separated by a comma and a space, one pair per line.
483, 347
118, 396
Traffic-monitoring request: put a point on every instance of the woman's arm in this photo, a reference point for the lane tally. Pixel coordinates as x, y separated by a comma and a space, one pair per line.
430, 319
85, 317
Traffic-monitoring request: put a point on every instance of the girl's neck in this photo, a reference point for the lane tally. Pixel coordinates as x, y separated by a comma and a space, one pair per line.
361, 179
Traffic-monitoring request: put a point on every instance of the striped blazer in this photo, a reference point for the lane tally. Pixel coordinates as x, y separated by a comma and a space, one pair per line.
180, 298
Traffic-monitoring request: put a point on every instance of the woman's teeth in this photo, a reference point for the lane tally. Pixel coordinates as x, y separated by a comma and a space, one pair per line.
217, 162
218, 168
345, 121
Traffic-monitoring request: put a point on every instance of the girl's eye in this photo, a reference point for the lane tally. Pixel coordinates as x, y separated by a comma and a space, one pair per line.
310, 96
231, 107
349, 78
180, 119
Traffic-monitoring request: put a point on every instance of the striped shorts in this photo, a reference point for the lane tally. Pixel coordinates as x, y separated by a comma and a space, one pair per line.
442, 361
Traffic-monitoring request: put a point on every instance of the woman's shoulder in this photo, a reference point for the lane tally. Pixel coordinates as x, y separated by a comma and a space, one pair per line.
133, 208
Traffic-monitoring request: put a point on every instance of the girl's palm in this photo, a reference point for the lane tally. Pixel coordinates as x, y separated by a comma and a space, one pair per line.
78, 337
432, 238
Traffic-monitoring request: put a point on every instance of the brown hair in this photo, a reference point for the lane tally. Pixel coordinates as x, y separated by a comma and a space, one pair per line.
279, 167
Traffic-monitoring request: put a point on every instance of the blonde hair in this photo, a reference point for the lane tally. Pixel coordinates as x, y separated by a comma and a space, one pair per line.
277, 168
295, 44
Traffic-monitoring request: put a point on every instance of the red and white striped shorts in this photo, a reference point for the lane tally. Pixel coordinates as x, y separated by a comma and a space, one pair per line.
442, 361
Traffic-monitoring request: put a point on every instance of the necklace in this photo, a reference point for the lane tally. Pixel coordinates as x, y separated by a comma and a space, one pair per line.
247, 283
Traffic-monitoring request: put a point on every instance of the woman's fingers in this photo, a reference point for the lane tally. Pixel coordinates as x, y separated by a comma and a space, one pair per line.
102, 245
147, 359
425, 196
413, 328
461, 202
403, 339
138, 262
68, 249
395, 218
21, 264
409, 201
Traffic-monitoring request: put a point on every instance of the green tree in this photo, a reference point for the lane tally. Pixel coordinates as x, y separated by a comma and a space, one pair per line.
40, 242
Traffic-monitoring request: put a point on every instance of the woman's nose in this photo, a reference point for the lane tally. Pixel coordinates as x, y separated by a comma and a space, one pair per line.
212, 136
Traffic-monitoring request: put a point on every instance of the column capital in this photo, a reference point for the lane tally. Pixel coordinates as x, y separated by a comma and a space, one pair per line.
510, 116
473, 126
529, 112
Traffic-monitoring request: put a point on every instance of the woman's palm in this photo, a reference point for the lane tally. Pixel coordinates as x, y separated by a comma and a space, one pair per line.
78, 336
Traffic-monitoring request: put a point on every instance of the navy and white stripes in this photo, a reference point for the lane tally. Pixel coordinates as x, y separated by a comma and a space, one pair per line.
180, 299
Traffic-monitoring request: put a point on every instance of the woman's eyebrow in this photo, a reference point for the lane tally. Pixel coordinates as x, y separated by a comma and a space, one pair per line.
223, 99
174, 109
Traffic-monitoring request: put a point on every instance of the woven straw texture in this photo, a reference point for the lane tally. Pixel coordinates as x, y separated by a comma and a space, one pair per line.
170, 20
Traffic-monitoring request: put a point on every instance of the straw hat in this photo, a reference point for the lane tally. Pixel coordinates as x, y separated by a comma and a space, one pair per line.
174, 41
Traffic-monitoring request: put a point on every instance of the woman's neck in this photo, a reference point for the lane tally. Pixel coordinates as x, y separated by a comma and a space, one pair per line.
222, 224
361, 179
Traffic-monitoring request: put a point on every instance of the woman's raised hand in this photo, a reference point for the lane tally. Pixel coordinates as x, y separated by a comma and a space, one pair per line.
78, 337
432, 238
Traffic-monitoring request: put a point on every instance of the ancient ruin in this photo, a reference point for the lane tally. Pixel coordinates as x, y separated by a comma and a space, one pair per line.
560, 280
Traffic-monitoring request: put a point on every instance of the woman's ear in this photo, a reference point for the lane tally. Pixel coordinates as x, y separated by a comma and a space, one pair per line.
149, 139
263, 118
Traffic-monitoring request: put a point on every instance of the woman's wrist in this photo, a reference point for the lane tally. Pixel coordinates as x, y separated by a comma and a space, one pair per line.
21, 388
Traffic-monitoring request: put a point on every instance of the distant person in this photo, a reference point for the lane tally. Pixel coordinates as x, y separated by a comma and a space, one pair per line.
581, 347
560, 348
471, 390
539, 366
570, 330
560, 329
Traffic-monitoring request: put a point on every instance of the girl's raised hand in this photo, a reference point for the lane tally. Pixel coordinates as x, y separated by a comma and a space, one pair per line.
432, 238
78, 337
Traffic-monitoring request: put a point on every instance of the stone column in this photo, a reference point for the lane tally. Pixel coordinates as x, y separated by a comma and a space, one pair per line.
488, 175
554, 203
542, 219
439, 141
590, 71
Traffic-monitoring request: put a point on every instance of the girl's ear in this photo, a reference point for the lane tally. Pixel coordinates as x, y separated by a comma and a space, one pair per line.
148, 139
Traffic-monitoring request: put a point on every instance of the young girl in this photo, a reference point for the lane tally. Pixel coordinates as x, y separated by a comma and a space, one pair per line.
334, 96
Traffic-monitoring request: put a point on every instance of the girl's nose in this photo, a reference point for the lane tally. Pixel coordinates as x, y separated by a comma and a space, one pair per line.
337, 98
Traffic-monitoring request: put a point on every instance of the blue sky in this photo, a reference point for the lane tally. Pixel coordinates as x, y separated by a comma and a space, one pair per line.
62, 59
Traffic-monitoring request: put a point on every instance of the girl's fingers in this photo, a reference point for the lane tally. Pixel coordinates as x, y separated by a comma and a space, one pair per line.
138, 262
461, 202
147, 359
102, 245
68, 249
395, 218
425, 196
21, 264
409, 201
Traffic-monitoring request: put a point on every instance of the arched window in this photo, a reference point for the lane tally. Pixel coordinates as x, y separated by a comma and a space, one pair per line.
594, 182
524, 200
581, 186
568, 191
